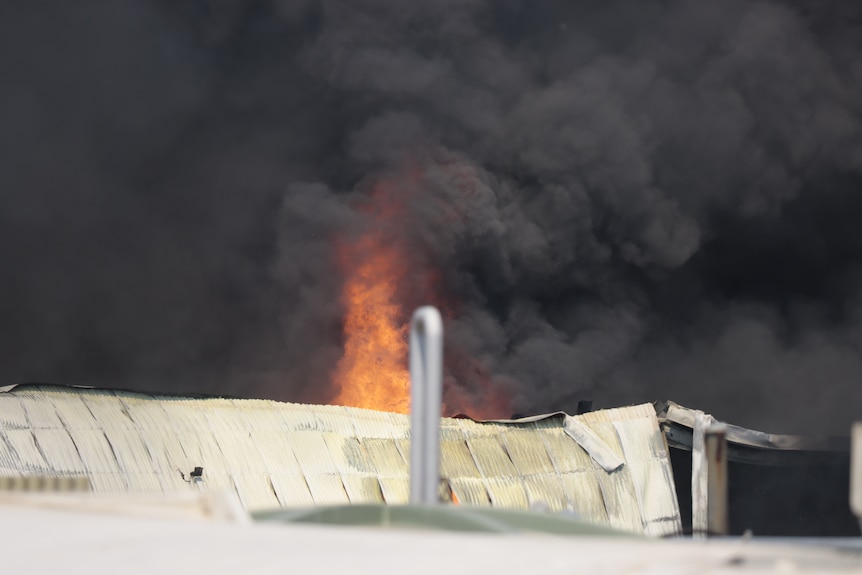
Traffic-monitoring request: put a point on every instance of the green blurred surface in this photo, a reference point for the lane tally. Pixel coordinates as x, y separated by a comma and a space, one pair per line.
443, 518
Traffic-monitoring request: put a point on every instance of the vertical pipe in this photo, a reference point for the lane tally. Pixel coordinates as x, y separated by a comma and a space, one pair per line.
715, 443
426, 398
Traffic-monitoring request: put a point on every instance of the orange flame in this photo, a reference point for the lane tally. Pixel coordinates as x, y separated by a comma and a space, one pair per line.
373, 373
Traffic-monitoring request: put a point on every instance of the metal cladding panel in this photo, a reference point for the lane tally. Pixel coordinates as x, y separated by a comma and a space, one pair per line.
223, 417
377, 424
95, 451
607, 432
217, 418
620, 502
13, 415
403, 447
348, 454
385, 457
527, 451
456, 460
144, 482
147, 414
213, 479
74, 413
291, 489
546, 490
621, 489
451, 430
129, 449
312, 453
585, 496
40, 412
170, 450
300, 419
566, 455
507, 491
334, 419
255, 490
204, 450
399, 421
262, 415
22, 442
165, 451
240, 449
395, 490
184, 415
362, 488
470, 491
109, 482
650, 474
106, 409
10, 464
491, 459
472, 428
59, 451
327, 489
276, 451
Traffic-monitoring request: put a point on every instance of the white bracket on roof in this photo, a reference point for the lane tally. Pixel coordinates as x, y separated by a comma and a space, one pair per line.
426, 399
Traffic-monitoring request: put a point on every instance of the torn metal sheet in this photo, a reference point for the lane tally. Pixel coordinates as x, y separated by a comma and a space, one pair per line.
598, 450
680, 420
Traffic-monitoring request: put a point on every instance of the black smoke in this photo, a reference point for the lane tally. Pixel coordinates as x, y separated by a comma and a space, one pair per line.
628, 201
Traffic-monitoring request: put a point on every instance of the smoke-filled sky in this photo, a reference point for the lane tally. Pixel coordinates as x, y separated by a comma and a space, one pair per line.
625, 201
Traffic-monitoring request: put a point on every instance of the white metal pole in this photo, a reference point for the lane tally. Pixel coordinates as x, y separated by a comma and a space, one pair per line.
426, 399
715, 444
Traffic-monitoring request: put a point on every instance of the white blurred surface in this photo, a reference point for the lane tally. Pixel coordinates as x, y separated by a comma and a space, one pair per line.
69, 542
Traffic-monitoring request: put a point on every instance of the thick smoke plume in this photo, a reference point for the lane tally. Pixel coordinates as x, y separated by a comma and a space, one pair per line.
626, 201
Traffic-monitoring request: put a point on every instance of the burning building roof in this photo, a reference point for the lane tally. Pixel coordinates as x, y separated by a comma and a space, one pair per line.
610, 467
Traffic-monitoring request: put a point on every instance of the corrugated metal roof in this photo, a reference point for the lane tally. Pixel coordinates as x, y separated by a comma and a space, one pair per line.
280, 454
